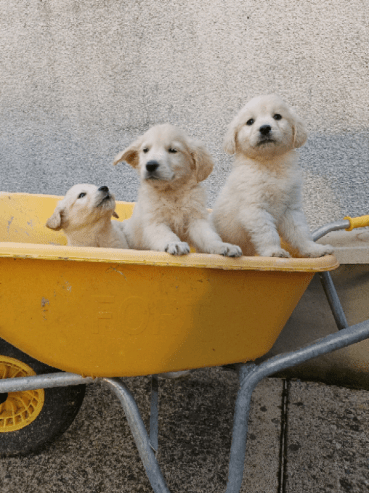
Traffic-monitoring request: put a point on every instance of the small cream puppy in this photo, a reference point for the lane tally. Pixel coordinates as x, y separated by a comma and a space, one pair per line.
85, 215
262, 197
171, 209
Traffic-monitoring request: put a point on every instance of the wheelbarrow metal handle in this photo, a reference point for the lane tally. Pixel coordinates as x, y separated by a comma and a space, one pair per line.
357, 222
328, 228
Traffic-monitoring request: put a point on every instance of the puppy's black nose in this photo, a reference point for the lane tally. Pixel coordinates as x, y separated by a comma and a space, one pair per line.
103, 189
265, 129
152, 166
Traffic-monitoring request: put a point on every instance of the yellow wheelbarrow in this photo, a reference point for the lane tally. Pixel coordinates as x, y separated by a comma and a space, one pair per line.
71, 315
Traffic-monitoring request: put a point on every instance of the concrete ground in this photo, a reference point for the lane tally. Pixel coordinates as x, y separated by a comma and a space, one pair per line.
303, 438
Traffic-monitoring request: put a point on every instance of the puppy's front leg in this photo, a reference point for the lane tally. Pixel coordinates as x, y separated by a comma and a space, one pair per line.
295, 230
161, 238
205, 239
261, 227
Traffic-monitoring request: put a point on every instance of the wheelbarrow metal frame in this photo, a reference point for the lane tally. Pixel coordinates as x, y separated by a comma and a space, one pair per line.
249, 374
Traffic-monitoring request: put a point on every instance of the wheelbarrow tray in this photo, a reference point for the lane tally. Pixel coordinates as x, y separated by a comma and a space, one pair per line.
109, 312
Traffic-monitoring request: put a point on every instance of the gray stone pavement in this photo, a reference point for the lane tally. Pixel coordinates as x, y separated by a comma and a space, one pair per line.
327, 439
316, 441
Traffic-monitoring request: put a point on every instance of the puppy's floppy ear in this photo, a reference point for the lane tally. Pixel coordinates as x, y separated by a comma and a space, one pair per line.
229, 143
299, 131
202, 159
56, 220
129, 155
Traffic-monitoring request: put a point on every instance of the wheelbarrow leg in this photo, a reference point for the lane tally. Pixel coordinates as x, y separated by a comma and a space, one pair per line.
240, 425
326, 279
333, 300
139, 433
251, 374
154, 413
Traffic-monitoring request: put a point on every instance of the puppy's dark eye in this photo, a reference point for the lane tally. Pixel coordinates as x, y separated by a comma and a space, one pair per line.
145, 150
81, 195
250, 122
277, 116
172, 150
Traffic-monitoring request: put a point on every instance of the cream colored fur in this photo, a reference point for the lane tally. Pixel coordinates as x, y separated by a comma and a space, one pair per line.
171, 209
262, 197
86, 220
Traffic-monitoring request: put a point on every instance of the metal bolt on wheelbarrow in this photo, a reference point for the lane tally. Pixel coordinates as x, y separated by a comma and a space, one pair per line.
67, 315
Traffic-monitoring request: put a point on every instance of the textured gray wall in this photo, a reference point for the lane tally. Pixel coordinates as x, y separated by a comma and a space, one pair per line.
80, 79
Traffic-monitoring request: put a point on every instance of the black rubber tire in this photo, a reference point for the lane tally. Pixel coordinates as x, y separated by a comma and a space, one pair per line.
59, 410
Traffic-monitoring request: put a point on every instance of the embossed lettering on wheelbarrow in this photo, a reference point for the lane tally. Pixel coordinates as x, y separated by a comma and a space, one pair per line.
108, 312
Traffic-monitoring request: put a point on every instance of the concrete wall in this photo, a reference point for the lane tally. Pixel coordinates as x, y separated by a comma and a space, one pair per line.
80, 79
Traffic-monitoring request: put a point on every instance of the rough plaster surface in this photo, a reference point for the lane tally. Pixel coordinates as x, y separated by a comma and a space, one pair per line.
80, 79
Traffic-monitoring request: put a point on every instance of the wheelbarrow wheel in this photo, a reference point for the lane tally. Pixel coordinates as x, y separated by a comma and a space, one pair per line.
31, 420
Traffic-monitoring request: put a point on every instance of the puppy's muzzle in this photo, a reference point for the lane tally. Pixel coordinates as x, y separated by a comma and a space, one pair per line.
151, 167
104, 190
265, 135
265, 129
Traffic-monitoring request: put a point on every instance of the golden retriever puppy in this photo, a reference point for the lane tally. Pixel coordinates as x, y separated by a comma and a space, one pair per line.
85, 215
171, 208
262, 197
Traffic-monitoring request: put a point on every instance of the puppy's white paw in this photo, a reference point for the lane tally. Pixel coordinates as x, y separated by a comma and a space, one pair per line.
228, 250
177, 248
275, 252
315, 250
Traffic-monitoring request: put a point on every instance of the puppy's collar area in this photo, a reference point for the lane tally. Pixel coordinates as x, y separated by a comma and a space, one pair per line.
85, 226
270, 160
161, 184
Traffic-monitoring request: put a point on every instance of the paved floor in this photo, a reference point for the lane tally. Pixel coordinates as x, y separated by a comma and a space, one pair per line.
327, 439
303, 438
